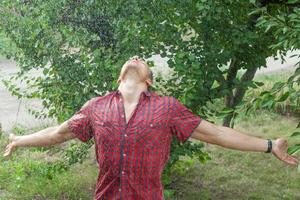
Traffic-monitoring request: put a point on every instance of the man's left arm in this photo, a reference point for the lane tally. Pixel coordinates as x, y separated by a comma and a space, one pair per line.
233, 139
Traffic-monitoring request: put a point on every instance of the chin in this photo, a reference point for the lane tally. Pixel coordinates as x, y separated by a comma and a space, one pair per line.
137, 69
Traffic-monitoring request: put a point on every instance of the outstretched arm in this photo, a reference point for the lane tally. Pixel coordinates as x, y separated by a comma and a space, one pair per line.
46, 137
233, 139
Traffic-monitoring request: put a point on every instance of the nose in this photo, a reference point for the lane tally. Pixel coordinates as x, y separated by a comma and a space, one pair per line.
135, 58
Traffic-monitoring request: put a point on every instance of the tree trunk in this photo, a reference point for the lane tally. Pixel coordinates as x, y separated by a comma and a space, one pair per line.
231, 101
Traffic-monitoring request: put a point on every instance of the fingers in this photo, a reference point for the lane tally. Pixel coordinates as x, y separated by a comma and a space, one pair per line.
291, 160
10, 147
8, 150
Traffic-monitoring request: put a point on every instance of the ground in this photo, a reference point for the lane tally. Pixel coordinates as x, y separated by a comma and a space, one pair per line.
243, 175
229, 175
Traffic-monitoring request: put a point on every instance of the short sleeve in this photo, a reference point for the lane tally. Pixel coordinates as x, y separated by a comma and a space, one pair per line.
80, 123
183, 122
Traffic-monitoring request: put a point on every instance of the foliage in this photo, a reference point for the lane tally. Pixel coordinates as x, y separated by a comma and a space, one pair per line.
175, 165
73, 72
23, 178
206, 43
282, 20
180, 168
90, 39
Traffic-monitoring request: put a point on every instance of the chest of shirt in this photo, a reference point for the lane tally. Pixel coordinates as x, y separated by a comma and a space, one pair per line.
148, 120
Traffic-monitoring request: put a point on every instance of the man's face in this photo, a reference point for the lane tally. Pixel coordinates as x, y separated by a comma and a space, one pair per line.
137, 68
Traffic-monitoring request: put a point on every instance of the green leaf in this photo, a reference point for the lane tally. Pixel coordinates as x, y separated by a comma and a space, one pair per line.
169, 193
227, 110
259, 83
294, 149
293, 1
295, 134
283, 97
264, 93
277, 86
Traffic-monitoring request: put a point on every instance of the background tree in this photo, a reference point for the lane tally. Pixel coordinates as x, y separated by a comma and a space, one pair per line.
213, 46
282, 20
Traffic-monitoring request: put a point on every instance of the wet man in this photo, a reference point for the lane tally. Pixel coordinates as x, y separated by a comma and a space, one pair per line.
133, 128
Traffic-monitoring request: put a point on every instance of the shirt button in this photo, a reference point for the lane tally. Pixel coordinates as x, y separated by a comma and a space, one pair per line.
124, 154
151, 125
122, 116
123, 172
120, 189
125, 135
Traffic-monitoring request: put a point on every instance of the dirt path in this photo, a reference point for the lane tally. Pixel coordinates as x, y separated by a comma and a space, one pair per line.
13, 111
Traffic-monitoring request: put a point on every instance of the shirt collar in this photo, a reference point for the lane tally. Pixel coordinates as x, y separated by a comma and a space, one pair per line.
147, 93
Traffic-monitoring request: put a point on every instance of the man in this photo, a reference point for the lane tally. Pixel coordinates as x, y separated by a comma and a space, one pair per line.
133, 128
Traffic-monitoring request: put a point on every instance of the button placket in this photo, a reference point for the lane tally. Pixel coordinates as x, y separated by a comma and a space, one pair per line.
124, 139
124, 135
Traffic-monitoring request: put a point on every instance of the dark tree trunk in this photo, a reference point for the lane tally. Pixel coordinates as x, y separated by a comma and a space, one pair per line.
231, 101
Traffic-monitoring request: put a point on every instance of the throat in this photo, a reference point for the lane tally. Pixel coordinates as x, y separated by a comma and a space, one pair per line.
131, 91
129, 110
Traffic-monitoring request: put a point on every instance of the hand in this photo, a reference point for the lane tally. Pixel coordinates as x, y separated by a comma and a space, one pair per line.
280, 151
11, 147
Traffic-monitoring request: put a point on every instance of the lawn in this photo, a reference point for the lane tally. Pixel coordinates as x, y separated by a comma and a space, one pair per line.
229, 175
30, 174
243, 175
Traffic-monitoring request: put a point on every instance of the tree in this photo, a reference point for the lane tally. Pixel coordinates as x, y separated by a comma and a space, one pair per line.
214, 46
282, 20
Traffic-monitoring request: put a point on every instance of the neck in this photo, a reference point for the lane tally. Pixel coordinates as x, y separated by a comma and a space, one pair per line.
131, 90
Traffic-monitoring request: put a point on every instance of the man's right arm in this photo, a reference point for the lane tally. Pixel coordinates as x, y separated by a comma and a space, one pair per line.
47, 137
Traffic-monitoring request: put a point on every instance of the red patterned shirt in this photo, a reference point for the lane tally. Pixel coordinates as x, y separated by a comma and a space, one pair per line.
132, 156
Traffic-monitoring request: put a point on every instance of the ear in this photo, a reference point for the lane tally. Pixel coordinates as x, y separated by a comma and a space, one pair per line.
119, 80
149, 82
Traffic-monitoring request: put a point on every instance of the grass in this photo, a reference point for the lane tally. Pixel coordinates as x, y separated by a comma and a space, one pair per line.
26, 180
243, 175
29, 174
229, 175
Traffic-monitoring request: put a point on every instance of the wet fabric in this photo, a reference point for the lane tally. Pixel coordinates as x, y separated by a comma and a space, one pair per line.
131, 156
